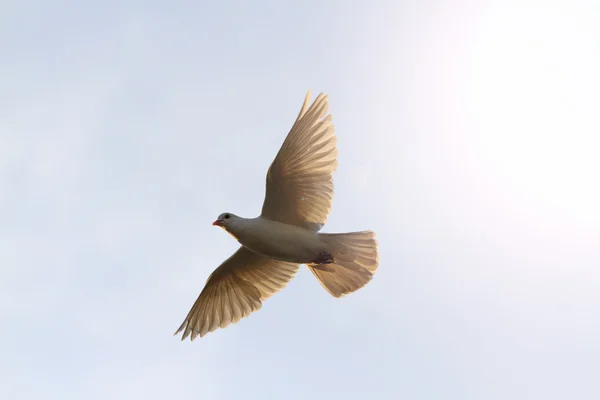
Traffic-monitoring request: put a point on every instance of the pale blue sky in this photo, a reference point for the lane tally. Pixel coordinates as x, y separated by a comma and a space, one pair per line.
468, 140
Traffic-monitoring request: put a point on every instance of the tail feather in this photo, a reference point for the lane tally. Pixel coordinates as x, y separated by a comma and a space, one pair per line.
355, 261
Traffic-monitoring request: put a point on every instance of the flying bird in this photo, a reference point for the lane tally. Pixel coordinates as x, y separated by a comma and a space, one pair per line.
299, 192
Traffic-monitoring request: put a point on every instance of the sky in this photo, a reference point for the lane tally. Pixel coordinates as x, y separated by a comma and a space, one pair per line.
468, 141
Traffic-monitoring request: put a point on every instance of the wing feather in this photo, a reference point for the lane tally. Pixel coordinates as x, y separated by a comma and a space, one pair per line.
235, 290
299, 181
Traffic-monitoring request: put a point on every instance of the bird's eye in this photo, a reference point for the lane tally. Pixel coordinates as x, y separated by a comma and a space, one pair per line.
227, 216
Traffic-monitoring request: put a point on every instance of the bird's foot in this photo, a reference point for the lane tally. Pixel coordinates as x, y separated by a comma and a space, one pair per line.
323, 258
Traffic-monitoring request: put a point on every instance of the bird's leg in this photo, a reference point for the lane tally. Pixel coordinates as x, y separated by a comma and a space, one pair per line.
323, 258
323, 267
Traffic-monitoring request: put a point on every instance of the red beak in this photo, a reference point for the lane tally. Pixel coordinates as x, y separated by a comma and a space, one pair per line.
218, 223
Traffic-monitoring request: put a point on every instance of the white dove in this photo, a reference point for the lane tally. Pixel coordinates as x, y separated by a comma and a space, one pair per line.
286, 234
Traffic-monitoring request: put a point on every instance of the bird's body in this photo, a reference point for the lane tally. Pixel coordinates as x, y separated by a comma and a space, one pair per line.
298, 197
277, 240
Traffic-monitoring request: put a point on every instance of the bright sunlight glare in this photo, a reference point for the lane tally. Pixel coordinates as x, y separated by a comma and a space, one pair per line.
534, 96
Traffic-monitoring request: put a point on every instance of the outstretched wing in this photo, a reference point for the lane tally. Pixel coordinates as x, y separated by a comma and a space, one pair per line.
299, 181
234, 290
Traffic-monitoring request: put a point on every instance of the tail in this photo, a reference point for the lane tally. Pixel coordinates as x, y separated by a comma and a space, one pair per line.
355, 260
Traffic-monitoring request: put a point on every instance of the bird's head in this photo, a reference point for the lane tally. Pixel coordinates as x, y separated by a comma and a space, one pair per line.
226, 220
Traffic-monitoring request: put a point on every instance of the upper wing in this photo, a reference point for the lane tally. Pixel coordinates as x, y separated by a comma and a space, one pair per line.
234, 290
299, 182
